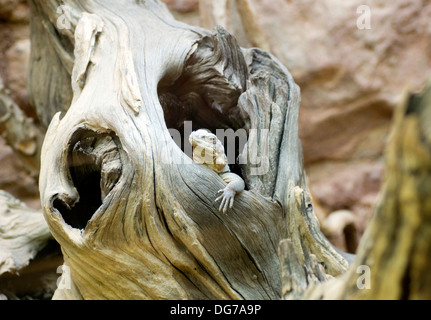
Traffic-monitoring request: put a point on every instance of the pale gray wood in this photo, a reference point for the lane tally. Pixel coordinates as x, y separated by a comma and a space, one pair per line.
135, 217
23, 233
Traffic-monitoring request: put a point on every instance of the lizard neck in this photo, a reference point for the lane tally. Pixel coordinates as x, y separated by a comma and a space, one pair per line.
225, 169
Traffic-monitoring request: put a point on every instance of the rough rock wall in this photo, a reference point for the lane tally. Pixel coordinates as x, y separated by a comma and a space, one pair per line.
14, 58
351, 77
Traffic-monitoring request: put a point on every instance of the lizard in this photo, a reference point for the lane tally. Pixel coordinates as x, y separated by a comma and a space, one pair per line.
209, 151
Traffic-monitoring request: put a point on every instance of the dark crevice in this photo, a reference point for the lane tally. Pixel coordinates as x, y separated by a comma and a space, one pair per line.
406, 281
206, 94
94, 168
351, 237
88, 187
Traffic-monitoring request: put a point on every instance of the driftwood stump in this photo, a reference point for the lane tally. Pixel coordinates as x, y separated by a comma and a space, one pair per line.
124, 84
121, 86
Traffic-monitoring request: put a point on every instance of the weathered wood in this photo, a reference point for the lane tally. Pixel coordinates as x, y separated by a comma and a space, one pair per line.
306, 256
51, 58
23, 233
135, 217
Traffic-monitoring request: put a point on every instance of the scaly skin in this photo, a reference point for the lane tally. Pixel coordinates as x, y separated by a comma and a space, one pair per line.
209, 151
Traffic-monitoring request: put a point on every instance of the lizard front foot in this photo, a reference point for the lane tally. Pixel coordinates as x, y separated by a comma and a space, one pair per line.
227, 197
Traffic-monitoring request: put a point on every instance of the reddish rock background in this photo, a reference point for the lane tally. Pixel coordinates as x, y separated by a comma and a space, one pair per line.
14, 57
351, 80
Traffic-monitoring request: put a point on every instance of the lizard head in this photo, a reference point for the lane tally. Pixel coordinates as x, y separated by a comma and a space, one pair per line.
208, 150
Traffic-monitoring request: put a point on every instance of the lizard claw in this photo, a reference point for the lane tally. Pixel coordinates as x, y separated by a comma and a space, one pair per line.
226, 198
